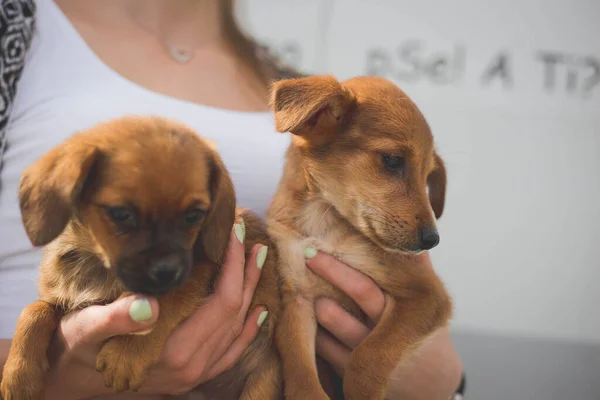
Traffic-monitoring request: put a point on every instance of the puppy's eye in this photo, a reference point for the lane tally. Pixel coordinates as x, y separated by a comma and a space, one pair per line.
122, 216
392, 163
193, 216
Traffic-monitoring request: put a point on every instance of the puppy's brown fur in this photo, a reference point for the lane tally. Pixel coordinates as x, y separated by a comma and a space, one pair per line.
161, 170
338, 195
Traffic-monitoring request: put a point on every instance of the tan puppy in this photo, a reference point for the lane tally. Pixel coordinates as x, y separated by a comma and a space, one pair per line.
362, 182
135, 205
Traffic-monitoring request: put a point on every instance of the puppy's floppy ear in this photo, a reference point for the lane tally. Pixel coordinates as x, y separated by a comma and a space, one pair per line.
311, 107
436, 182
49, 189
213, 237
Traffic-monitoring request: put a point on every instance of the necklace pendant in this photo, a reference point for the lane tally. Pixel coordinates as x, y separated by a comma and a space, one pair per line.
180, 55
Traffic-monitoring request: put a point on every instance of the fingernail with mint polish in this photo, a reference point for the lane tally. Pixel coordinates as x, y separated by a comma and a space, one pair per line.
262, 317
140, 310
261, 257
309, 252
240, 231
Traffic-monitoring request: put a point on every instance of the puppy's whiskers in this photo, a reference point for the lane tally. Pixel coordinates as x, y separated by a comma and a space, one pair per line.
325, 213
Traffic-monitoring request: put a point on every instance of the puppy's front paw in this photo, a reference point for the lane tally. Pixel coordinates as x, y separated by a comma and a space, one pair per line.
124, 361
25, 382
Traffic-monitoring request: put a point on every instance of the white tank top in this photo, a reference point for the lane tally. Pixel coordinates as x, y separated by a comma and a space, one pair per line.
65, 88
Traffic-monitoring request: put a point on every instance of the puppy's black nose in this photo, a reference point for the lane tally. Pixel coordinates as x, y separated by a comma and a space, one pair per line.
165, 272
429, 238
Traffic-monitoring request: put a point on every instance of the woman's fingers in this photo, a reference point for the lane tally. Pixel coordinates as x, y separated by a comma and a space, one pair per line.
332, 351
230, 329
346, 329
95, 324
219, 352
237, 327
254, 266
251, 328
206, 335
230, 285
357, 286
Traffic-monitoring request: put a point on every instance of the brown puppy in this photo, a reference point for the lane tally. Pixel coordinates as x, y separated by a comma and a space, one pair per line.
362, 182
135, 205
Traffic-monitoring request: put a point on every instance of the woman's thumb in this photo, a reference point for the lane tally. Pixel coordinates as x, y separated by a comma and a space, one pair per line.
129, 315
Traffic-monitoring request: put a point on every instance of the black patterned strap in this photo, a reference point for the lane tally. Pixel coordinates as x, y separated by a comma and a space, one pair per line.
16, 32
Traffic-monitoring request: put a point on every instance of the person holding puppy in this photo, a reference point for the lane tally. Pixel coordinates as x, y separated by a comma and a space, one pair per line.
187, 60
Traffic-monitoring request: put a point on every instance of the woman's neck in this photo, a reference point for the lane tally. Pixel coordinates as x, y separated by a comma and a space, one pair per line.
192, 23
189, 23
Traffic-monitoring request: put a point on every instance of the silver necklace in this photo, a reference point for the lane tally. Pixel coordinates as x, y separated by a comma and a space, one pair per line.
180, 54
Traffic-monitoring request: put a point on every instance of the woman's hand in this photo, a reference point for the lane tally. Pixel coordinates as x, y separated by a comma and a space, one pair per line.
435, 369
206, 344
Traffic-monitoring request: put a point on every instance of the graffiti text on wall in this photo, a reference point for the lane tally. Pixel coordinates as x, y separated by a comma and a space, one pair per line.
558, 72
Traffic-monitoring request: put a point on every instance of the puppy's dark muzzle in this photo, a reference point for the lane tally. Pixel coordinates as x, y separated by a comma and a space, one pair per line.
155, 277
165, 272
428, 239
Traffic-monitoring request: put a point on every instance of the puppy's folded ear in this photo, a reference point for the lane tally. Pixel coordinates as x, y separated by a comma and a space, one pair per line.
49, 189
213, 237
436, 182
312, 107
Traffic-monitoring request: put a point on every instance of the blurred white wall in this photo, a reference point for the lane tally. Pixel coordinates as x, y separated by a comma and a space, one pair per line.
512, 92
